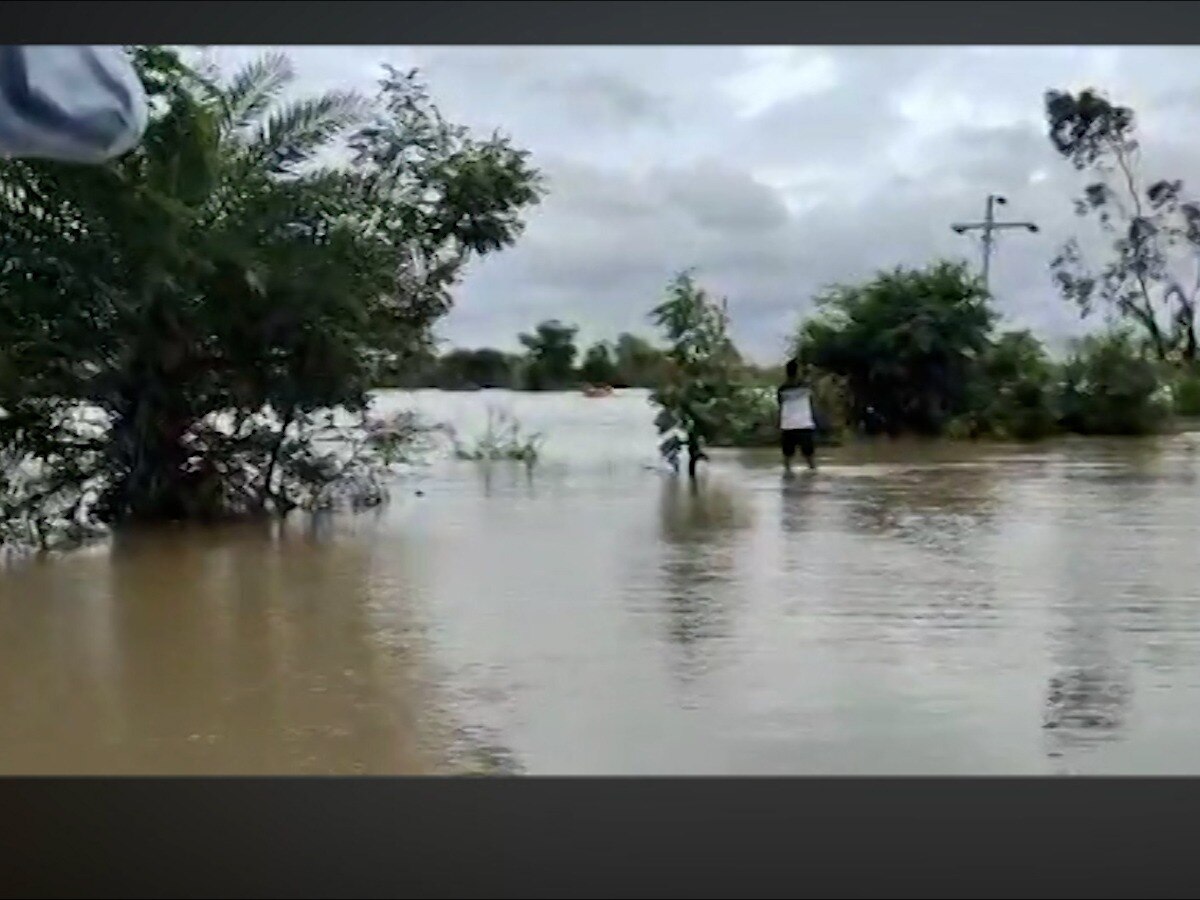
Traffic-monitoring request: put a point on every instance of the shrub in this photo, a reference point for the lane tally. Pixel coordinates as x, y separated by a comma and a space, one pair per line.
503, 439
1108, 387
1185, 393
1012, 393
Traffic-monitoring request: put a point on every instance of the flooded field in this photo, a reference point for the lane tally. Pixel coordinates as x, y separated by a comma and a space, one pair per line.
911, 608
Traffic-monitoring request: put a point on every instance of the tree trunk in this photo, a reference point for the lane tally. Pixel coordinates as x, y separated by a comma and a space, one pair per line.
273, 462
695, 454
148, 454
150, 457
1187, 324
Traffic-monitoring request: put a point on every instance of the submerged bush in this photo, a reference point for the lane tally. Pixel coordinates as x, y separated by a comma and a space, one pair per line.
915, 352
905, 343
1011, 392
1109, 387
1185, 393
214, 292
750, 416
503, 439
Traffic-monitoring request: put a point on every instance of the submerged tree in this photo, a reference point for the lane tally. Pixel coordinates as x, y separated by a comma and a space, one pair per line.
1150, 277
178, 326
904, 343
702, 383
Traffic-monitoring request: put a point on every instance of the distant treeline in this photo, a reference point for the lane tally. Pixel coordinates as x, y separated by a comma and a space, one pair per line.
552, 361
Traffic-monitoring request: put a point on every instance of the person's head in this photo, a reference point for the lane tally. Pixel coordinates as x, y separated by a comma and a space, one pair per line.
792, 369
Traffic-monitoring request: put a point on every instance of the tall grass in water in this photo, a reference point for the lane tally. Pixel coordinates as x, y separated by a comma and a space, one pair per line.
503, 439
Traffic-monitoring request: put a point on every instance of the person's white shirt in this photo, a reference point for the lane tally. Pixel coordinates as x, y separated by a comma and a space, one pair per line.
74, 104
795, 407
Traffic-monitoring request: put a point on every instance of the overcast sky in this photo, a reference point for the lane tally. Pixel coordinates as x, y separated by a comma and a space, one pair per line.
772, 170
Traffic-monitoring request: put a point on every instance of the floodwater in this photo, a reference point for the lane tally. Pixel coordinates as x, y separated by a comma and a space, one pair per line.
910, 608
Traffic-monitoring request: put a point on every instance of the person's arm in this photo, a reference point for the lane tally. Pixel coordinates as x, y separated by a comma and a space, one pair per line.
71, 104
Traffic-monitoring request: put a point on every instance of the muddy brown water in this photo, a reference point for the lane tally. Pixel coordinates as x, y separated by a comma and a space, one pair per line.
911, 608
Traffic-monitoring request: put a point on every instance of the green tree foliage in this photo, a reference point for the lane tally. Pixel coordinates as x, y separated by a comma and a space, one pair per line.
1185, 393
702, 388
1150, 274
468, 369
1109, 387
599, 365
904, 344
639, 363
1012, 391
177, 324
550, 357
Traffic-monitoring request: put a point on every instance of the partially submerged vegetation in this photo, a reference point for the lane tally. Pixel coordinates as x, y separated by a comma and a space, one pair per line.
913, 351
916, 351
191, 331
700, 394
503, 439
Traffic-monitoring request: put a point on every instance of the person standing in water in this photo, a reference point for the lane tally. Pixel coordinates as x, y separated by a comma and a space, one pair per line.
796, 423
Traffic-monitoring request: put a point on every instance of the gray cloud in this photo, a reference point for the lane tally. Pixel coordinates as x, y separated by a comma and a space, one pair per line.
721, 198
775, 171
605, 98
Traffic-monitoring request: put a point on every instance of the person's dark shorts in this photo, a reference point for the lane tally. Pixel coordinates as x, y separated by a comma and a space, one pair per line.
797, 438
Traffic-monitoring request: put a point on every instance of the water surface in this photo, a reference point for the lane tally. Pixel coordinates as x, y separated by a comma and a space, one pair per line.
910, 608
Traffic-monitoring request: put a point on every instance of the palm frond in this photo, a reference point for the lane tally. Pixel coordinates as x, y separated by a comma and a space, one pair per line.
293, 134
254, 88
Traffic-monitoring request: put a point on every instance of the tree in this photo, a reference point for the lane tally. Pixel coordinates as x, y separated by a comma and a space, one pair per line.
1012, 391
598, 365
1109, 387
178, 325
1151, 274
905, 344
482, 368
639, 363
550, 361
701, 385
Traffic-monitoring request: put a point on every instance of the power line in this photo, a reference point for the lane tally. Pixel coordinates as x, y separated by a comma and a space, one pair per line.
989, 226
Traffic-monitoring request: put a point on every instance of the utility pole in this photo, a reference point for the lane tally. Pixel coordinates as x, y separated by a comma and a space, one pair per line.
989, 226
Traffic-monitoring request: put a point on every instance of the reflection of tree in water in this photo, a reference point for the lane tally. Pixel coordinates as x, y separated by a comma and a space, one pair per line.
1088, 697
505, 478
1085, 705
251, 649
698, 525
477, 750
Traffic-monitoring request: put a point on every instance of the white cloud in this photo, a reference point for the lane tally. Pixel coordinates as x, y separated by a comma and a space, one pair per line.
778, 74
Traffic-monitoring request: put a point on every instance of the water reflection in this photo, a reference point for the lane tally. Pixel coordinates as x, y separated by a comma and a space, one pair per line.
798, 509
909, 608
241, 650
1089, 693
699, 525
1085, 705
506, 478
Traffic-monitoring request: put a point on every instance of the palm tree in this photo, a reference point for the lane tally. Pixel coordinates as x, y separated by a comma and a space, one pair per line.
215, 288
